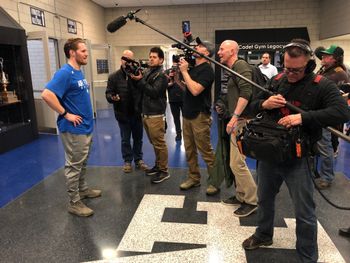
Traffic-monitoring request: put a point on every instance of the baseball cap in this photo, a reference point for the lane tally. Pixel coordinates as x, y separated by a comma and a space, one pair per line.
209, 46
334, 51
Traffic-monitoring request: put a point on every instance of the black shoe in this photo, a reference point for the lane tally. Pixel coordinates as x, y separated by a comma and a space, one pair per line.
178, 137
245, 210
152, 171
345, 232
232, 201
253, 243
160, 177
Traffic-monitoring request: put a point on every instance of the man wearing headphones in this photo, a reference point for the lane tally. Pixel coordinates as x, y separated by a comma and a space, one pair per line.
323, 106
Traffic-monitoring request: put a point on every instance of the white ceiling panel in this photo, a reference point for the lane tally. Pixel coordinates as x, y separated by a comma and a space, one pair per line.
130, 3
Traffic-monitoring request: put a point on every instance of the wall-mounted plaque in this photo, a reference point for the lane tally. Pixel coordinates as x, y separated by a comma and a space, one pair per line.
72, 26
37, 17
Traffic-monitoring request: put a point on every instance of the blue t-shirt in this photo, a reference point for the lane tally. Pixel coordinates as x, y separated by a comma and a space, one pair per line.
72, 90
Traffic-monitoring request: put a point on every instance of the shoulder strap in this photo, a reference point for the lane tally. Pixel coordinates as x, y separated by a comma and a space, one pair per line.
317, 78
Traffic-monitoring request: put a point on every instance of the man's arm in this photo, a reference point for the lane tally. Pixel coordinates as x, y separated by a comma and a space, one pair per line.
51, 99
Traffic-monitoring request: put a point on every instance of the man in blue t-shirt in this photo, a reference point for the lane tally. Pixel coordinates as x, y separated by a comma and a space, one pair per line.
68, 94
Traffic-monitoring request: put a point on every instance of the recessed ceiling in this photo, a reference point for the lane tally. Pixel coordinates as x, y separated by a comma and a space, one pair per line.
129, 3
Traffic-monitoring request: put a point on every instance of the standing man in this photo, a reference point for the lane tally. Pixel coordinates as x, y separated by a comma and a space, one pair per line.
68, 94
153, 84
332, 68
239, 93
323, 105
175, 95
266, 67
196, 114
121, 93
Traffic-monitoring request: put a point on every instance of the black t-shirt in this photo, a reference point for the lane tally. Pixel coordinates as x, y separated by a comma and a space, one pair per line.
193, 105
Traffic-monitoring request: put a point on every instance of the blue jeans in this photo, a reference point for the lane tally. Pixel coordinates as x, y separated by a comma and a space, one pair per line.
133, 126
297, 176
325, 158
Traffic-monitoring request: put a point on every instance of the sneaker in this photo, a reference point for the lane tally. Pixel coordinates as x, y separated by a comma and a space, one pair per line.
127, 168
253, 243
212, 190
160, 177
322, 184
189, 183
178, 137
245, 210
152, 171
140, 164
79, 209
345, 232
232, 201
90, 193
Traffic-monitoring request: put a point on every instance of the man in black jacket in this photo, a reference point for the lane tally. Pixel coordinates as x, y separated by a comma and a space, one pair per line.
323, 106
153, 84
121, 93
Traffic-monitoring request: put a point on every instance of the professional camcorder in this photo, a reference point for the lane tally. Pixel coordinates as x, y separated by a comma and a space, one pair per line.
133, 67
188, 40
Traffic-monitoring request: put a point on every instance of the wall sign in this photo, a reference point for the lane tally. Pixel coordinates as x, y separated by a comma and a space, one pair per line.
102, 66
72, 26
37, 17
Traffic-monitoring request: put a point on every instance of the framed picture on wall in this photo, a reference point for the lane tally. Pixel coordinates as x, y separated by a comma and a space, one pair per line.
72, 26
37, 17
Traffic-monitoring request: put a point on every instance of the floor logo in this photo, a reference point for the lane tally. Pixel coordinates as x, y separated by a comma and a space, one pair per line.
222, 235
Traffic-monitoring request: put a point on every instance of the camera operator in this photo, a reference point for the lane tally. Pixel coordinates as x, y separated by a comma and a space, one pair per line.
153, 84
121, 93
196, 114
323, 105
175, 96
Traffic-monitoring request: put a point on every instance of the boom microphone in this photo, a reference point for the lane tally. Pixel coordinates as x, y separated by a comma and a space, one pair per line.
120, 21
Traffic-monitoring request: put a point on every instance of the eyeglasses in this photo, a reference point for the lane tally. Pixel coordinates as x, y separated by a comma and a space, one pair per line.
294, 70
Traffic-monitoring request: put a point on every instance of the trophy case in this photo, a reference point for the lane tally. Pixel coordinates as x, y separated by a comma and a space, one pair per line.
17, 113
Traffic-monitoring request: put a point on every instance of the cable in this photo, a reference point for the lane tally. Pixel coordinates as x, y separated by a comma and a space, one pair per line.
319, 190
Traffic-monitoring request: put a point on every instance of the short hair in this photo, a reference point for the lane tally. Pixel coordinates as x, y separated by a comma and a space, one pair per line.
298, 47
266, 53
72, 44
157, 50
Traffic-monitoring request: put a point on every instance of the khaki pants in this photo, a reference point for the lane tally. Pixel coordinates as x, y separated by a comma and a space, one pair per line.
196, 133
76, 147
246, 190
155, 129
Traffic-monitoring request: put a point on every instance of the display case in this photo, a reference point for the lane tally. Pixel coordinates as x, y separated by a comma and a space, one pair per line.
17, 113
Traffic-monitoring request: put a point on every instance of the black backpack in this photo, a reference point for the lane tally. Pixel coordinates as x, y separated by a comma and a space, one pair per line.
258, 77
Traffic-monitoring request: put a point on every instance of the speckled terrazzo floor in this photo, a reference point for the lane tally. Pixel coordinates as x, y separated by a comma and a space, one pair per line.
136, 221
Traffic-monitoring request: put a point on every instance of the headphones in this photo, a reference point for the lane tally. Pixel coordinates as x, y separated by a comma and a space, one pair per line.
311, 64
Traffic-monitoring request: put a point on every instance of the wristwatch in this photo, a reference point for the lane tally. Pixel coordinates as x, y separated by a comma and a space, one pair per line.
64, 113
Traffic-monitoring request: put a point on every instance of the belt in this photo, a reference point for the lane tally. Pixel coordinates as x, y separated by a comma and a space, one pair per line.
153, 116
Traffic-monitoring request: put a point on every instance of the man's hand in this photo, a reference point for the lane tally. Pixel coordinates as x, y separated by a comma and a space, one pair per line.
76, 119
273, 102
219, 109
115, 97
138, 77
183, 65
291, 120
231, 124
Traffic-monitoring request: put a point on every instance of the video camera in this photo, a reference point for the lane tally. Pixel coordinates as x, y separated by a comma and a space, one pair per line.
188, 39
133, 67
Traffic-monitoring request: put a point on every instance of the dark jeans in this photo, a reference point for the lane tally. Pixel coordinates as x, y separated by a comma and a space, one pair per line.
296, 175
176, 107
133, 126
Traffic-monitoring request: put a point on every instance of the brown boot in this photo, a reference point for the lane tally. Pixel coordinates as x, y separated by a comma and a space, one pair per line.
90, 193
79, 209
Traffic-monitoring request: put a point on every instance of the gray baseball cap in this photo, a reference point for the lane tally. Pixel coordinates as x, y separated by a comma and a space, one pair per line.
208, 45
